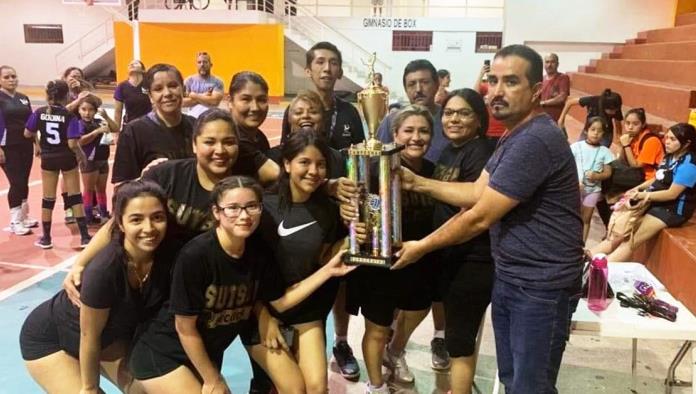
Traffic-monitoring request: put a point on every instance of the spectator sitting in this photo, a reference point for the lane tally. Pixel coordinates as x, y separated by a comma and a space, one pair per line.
670, 192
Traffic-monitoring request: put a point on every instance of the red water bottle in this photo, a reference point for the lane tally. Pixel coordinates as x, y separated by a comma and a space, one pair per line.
597, 283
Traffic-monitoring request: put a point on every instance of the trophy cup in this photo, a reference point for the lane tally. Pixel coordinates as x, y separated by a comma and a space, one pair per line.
379, 209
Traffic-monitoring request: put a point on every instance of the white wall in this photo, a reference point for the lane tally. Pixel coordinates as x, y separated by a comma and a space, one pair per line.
453, 46
35, 63
580, 30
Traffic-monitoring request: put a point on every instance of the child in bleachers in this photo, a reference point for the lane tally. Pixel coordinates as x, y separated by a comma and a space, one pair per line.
592, 161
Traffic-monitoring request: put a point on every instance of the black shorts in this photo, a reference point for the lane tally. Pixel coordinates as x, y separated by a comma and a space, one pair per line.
316, 307
58, 162
102, 166
378, 292
667, 214
146, 363
39, 335
466, 289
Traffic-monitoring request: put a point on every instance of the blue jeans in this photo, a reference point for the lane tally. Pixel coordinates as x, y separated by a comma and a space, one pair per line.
531, 329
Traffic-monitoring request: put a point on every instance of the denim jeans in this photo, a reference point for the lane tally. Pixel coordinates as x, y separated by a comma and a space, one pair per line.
531, 329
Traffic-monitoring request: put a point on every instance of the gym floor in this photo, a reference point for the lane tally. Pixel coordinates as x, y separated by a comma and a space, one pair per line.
29, 275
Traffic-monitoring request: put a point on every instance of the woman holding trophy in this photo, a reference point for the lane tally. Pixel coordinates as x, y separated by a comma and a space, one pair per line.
379, 292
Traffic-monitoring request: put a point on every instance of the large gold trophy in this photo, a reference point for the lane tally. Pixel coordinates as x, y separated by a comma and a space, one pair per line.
379, 209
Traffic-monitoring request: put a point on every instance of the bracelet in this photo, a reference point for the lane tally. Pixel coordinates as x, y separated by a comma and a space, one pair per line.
626, 146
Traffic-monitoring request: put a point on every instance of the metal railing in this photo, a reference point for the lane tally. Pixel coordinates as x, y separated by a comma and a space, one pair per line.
95, 38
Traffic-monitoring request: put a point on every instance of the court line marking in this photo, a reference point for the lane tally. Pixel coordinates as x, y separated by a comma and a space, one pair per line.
30, 266
16, 288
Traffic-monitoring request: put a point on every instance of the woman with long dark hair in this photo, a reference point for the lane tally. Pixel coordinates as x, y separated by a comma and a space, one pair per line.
249, 107
66, 348
16, 152
220, 280
670, 193
304, 229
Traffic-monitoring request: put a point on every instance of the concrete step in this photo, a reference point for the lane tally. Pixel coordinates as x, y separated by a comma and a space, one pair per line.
679, 33
668, 101
669, 71
686, 19
678, 50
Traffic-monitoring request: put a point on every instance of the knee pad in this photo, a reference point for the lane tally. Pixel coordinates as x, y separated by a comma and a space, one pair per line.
72, 200
48, 203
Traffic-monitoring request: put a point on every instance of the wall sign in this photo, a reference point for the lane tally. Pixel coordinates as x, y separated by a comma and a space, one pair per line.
390, 23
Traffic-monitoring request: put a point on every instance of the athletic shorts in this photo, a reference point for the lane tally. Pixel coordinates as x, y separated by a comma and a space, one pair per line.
39, 335
667, 214
466, 289
377, 293
95, 165
316, 307
589, 200
58, 162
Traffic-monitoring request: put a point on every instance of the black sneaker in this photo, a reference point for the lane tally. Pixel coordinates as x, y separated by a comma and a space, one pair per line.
44, 243
440, 356
347, 364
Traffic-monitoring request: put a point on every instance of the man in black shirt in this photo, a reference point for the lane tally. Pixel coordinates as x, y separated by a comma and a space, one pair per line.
342, 122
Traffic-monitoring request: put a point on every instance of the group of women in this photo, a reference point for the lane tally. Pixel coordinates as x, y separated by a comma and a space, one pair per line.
215, 235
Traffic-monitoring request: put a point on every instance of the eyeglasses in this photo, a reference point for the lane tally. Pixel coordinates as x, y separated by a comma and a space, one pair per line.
233, 211
463, 113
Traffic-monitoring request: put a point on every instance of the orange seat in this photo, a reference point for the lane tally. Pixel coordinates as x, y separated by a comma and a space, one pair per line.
671, 257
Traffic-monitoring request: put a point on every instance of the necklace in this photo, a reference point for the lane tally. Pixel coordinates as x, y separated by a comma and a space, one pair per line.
141, 279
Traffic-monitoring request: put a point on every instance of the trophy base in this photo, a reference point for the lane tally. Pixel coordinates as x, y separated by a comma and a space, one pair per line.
372, 261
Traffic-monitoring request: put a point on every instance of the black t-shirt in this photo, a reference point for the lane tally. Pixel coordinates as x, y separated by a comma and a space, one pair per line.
342, 123
417, 208
299, 233
463, 164
591, 103
252, 153
188, 203
15, 111
135, 100
105, 285
218, 288
146, 139
54, 129
337, 161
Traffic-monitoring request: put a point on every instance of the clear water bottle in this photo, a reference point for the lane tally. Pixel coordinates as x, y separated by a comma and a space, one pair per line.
597, 283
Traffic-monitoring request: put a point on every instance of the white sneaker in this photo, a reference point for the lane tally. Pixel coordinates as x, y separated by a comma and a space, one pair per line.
26, 220
379, 390
16, 225
397, 364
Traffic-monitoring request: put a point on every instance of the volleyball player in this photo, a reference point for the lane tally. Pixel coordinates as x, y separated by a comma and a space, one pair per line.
60, 153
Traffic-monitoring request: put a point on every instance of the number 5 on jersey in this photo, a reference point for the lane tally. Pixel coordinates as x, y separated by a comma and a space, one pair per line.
52, 132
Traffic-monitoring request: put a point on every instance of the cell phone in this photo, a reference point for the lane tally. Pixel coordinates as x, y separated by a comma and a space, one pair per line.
486, 62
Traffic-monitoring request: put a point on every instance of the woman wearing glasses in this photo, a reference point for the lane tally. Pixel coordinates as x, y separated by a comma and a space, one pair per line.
221, 280
187, 183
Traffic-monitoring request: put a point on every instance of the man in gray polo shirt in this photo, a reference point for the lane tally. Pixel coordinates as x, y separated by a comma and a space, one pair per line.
203, 90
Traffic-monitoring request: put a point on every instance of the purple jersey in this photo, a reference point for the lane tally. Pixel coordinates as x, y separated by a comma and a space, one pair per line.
53, 128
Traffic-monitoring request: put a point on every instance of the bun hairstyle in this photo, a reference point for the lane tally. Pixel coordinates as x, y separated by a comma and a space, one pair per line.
241, 79
56, 93
639, 112
610, 100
